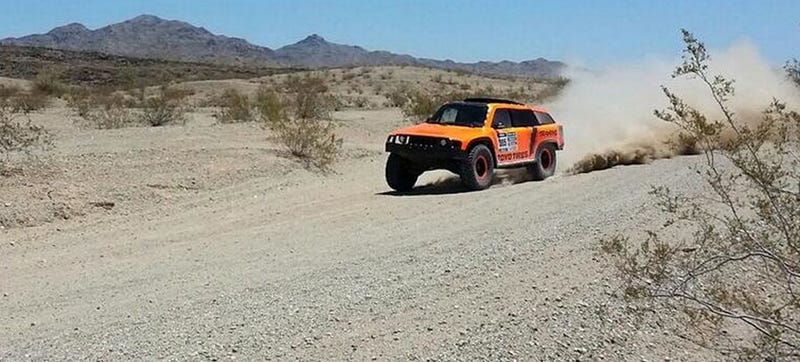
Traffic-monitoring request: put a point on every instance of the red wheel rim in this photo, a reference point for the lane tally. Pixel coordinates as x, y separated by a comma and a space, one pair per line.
481, 167
546, 159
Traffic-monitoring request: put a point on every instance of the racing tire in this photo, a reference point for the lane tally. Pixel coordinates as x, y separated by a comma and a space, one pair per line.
399, 174
545, 165
477, 170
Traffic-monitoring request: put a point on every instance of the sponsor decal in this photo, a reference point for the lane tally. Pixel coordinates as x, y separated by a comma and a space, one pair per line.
547, 133
507, 141
513, 156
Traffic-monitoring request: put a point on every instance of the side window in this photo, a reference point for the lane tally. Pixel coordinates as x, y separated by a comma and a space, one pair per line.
522, 118
544, 118
502, 119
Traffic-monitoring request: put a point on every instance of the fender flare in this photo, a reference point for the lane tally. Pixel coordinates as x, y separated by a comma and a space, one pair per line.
485, 141
548, 142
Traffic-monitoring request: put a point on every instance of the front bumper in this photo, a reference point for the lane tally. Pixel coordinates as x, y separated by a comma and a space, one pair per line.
426, 148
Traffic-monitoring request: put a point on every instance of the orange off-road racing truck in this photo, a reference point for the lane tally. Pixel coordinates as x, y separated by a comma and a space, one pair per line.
472, 138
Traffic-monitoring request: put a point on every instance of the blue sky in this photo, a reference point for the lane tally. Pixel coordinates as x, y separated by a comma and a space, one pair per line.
592, 33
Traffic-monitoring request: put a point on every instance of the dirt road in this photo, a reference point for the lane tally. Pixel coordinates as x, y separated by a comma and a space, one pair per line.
284, 264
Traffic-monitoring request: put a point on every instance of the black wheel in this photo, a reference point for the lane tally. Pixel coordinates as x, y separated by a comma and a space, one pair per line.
477, 171
400, 174
545, 165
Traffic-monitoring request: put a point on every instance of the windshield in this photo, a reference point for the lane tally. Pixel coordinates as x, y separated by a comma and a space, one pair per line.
470, 115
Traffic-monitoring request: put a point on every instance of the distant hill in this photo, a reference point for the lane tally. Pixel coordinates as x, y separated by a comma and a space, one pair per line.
148, 36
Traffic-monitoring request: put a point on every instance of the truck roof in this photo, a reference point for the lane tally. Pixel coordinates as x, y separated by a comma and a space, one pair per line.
488, 101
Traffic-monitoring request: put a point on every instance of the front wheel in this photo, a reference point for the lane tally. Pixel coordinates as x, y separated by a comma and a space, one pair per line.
545, 165
477, 171
399, 174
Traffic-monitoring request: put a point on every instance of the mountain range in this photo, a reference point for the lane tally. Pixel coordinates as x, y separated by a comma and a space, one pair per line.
148, 36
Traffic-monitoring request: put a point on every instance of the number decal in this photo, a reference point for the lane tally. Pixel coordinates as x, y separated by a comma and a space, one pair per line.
507, 141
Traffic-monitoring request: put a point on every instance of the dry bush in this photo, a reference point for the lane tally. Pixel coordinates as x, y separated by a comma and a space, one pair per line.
18, 136
420, 106
111, 113
793, 71
8, 91
31, 101
167, 107
49, 83
268, 104
21, 100
397, 97
80, 101
302, 121
740, 269
236, 107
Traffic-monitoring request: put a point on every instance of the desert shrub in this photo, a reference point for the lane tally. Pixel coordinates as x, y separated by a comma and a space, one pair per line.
302, 122
31, 101
49, 83
18, 135
397, 97
167, 107
112, 113
8, 91
420, 106
309, 98
80, 101
360, 102
348, 76
269, 106
741, 266
236, 107
793, 71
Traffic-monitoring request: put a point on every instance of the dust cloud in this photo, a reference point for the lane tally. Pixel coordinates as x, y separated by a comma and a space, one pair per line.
608, 114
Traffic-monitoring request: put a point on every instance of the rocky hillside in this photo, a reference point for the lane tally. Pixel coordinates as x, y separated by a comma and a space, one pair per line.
149, 36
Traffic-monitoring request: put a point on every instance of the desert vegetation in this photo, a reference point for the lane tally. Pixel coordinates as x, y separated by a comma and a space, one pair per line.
727, 262
19, 137
234, 107
301, 122
168, 106
103, 70
104, 108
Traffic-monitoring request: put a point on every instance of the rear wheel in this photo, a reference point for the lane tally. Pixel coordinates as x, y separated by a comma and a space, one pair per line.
545, 165
400, 174
477, 171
